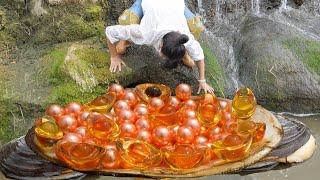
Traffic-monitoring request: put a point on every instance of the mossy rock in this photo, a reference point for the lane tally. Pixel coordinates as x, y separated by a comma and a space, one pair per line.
93, 12
308, 51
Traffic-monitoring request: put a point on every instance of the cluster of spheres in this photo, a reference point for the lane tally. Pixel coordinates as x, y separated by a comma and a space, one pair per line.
146, 127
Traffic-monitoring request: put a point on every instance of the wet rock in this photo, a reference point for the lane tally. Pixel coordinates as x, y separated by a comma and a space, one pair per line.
280, 64
298, 2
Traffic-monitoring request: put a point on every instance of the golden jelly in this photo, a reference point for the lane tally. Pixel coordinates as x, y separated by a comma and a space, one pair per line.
102, 104
244, 103
148, 91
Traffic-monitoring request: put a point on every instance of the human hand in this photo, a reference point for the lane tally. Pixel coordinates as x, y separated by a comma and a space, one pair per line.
116, 63
205, 87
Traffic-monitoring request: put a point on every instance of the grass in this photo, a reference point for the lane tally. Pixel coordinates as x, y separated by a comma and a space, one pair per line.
307, 50
214, 72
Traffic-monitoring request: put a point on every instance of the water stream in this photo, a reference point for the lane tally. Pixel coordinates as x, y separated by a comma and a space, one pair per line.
255, 7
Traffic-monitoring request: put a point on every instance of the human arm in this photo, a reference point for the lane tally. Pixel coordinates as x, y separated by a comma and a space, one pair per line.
196, 53
115, 58
202, 80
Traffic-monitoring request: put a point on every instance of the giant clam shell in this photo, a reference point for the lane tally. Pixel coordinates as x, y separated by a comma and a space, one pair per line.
295, 136
32, 165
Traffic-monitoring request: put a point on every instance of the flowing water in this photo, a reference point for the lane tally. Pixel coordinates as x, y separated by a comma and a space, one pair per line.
255, 6
283, 6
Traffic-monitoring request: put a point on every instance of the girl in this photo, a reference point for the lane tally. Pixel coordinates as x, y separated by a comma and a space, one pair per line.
164, 27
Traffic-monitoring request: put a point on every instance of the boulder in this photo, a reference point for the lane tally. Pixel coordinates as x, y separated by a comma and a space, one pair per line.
280, 64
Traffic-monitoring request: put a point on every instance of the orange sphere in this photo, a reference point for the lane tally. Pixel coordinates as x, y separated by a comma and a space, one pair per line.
111, 159
72, 137
82, 118
120, 105
155, 104
126, 116
141, 110
128, 130
190, 104
82, 131
215, 134
55, 111
73, 108
183, 92
161, 136
142, 123
67, 123
194, 124
201, 141
232, 140
117, 89
174, 102
144, 135
131, 97
185, 135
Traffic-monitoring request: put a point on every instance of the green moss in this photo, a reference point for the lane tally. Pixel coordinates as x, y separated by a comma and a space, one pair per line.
214, 72
93, 13
307, 50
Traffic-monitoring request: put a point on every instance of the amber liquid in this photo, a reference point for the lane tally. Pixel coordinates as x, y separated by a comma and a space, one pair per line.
244, 103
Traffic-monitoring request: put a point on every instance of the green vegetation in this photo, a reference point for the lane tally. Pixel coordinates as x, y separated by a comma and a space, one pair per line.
214, 72
307, 50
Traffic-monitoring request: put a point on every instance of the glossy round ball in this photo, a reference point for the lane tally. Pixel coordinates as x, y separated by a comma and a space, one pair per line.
82, 131
120, 105
55, 111
161, 136
183, 92
141, 110
190, 104
232, 140
126, 116
142, 123
174, 102
144, 135
83, 117
215, 134
194, 124
67, 123
130, 97
117, 89
156, 104
111, 159
201, 141
185, 135
72, 137
128, 130
73, 108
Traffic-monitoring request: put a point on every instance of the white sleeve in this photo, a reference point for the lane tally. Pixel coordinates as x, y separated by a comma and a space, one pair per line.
123, 32
194, 49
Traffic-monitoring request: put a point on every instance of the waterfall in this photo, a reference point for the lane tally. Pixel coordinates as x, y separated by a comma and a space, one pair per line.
218, 9
283, 5
200, 7
255, 6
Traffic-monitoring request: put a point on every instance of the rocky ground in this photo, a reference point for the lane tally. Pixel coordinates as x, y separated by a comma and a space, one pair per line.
53, 51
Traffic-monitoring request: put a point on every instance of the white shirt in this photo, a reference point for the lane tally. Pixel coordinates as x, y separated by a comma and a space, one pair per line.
160, 17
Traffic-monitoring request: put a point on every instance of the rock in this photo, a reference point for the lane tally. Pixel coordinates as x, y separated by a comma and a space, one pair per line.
298, 2
280, 64
37, 9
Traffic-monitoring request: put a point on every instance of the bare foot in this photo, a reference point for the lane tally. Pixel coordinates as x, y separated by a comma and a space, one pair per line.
122, 46
188, 61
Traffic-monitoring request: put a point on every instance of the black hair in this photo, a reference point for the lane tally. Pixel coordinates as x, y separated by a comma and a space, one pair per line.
173, 48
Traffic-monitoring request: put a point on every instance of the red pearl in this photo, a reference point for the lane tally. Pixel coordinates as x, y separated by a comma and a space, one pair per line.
130, 97
74, 108
141, 110
161, 136
144, 135
215, 134
156, 104
120, 105
201, 141
142, 123
183, 92
174, 102
190, 104
82, 119
67, 123
126, 115
55, 111
185, 135
111, 159
72, 137
82, 131
117, 89
194, 124
128, 130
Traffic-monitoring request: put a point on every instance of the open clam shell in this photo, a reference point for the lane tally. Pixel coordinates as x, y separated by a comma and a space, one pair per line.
33, 165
